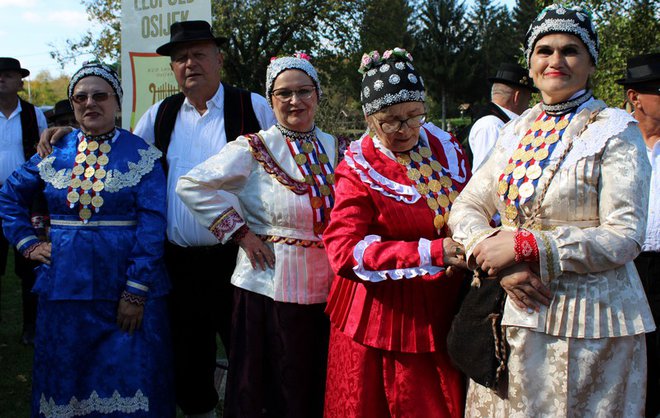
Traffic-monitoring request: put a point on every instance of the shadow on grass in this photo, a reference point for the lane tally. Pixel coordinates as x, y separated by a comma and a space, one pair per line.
15, 358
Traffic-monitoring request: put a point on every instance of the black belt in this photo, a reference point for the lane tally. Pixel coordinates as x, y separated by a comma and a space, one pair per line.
653, 255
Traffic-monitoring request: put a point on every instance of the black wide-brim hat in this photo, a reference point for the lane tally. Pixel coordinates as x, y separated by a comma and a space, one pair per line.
12, 64
514, 75
190, 31
642, 69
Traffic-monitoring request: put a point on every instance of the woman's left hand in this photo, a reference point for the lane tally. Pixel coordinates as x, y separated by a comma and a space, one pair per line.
495, 253
129, 316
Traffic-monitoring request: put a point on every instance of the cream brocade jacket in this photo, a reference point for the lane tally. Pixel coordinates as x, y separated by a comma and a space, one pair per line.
589, 228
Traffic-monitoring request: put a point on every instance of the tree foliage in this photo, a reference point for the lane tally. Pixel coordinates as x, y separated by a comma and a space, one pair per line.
105, 45
44, 89
455, 47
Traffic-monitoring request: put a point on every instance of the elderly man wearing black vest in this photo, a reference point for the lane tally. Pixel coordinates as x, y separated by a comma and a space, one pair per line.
20, 126
188, 128
512, 88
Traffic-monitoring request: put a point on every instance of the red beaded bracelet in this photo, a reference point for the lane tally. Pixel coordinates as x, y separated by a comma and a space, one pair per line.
525, 246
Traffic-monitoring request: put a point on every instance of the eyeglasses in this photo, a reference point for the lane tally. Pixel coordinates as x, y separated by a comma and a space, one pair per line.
99, 97
390, 127
285, 95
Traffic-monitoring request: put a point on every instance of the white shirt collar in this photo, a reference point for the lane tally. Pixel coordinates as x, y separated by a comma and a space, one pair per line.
216, 101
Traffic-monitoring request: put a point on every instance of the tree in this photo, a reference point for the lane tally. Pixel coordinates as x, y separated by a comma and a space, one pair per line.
524, 13
261, 29
44, 89
106, 45
625, 28
491, 36
442, 51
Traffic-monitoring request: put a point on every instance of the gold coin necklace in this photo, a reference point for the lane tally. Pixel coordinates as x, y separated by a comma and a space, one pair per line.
520, 177
432, 181
316, 168
88, 173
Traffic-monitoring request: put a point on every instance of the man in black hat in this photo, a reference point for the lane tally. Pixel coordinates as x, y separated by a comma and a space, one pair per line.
20, 126
510, 94
62, 115
642, 87
189, 128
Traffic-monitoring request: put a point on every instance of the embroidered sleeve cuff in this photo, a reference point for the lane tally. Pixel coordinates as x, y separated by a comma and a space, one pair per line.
226, 225
133, 298
136, 288
27, 242
548, 256
525, 247
425, 267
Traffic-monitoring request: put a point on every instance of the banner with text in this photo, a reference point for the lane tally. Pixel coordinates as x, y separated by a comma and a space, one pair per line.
146, 76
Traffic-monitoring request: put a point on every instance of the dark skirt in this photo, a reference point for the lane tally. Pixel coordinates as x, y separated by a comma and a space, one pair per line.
84, 365
278, 358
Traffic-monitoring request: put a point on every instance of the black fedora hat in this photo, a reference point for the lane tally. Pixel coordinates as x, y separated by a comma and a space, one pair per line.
12, 64
190, 31
642, 69
513, 75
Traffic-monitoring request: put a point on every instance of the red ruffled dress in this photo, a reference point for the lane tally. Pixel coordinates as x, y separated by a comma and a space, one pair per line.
391, 304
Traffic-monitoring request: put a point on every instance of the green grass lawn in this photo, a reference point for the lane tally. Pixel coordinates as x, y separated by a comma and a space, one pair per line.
15, 358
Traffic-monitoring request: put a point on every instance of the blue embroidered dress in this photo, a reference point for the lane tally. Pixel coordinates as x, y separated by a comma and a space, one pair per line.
84, 365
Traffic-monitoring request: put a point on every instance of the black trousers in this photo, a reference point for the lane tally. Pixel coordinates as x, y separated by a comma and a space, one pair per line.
24, 269
200, 308
648, 266
278, 358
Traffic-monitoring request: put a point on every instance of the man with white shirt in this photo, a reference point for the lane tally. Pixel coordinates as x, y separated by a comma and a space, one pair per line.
510, 94
642, 86
189, 128
20, 126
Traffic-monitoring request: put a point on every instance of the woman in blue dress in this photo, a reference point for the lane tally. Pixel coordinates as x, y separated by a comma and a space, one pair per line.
102, 347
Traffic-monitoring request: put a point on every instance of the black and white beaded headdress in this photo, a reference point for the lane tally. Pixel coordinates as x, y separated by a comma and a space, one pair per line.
573, 20
97, 69
389, 80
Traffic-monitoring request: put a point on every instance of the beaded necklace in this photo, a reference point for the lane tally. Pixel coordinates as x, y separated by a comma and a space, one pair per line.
88, 173
316, 168
520, 178
432, 181
568, 106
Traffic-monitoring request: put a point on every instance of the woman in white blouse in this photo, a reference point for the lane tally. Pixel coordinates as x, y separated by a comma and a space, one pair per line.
570, 179
271, 192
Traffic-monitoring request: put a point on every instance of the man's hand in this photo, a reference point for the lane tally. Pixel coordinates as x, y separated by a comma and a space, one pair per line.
51, 136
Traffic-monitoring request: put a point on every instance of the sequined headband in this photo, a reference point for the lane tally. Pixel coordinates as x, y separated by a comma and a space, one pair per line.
298, 61
389, 80
573, 20
98, 70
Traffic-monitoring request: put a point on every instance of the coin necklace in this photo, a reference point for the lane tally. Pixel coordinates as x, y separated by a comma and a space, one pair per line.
521, 175
88, 174
316, 168
432, 181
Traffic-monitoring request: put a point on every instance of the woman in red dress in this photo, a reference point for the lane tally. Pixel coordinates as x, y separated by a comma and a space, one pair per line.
394, 294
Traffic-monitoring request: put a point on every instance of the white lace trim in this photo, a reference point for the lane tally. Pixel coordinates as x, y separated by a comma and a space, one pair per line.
609, 123
58, 179
375, 180
95, 403
425, 267
115, 180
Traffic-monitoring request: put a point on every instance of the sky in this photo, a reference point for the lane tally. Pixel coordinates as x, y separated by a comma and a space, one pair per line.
27, 27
